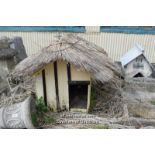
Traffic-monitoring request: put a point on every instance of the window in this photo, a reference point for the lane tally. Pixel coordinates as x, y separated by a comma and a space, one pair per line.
138, 65
141, 59
43, 28
129, 29
125, 66
148, 27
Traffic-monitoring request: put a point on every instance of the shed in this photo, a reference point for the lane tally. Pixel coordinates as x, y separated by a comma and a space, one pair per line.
135, 63
64, 71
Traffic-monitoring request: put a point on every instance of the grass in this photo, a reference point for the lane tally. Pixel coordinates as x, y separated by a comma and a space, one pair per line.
100, 126
153, 102
49, 120
41, 115
92, 99
34, 119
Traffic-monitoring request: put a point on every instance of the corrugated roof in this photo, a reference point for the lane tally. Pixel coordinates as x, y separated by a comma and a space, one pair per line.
133, 53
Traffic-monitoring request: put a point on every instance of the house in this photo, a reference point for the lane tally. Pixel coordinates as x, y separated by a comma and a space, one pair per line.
135, 63
64, 71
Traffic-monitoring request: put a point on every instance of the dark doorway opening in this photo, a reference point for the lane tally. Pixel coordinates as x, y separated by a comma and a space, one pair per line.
78, 96
138, 75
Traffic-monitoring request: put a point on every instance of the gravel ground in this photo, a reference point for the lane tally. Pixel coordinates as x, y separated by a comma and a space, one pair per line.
72, 120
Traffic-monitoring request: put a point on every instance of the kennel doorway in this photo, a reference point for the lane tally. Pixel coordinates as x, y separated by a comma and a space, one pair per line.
138, 75
78, 95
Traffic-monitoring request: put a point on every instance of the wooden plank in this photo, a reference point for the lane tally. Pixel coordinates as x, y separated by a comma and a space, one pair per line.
39, 85
56, 84
79, 82
44, 86
63, 85
88, 97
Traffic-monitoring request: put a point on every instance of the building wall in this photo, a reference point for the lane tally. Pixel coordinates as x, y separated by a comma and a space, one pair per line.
78, 75
39, 84
63, 84
89, 97
92, 29
50, 87
146, 71
115, 44
63, 87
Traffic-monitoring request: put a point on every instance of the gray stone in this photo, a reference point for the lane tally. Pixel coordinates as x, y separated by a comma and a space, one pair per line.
4, 42
3, 85
17, 44
17, 116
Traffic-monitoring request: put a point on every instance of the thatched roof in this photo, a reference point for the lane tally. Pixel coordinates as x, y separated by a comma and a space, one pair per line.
7, 53
75, 50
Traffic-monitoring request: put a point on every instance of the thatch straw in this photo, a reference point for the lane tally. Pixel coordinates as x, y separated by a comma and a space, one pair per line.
7, 53
75, 50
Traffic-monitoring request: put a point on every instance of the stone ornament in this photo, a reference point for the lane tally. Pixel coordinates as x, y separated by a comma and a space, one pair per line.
17, 116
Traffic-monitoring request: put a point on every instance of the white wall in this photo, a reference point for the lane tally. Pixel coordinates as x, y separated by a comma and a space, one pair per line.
78, 75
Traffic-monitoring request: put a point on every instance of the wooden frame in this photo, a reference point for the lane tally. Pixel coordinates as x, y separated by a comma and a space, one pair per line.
44, 86
56, 85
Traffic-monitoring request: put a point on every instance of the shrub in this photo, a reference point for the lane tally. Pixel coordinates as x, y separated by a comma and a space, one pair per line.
40, 106
92, 99
41, 116
153, 102
34, 119
49, 119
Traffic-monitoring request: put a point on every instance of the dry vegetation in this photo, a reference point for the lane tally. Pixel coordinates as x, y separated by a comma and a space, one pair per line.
18, 90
